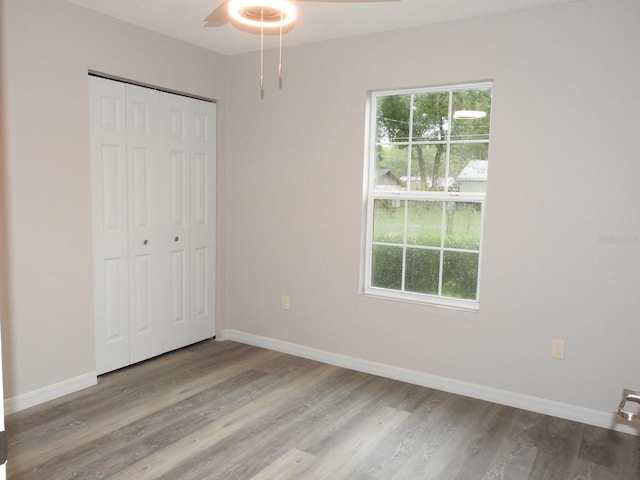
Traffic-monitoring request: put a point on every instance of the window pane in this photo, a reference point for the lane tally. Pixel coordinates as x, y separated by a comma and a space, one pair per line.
428, 162
463, 225
388, 221
469, 167
430, 116
424, 224
391, 167
471, 115
386, 267
460, 275
423, 267
392, 118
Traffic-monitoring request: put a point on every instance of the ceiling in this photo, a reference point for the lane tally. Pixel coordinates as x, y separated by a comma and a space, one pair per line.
183, 19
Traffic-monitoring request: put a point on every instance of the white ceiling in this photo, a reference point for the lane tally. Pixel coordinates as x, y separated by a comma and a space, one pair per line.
316, 21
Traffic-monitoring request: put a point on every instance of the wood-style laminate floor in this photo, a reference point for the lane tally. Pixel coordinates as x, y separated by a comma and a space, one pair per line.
223, 410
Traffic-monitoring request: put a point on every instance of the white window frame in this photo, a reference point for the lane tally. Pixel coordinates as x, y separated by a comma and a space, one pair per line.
370, 195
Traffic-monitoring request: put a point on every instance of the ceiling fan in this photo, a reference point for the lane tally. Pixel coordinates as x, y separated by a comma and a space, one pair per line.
265, 13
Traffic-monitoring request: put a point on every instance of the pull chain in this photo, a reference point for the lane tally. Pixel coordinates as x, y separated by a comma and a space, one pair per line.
262, 54
280, 62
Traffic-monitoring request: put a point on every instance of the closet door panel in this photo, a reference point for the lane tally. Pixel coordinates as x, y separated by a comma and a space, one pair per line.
113, 188
142, 324
148, 184
115, 283
107, 124
203, 220
201, 280
179, 322
179, 189
179, 272
176, 146
114, 249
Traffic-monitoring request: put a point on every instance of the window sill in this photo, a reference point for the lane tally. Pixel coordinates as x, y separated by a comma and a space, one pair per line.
426, 300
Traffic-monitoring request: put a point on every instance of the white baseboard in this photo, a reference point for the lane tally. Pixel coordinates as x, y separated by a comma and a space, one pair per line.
50, 392
575, 413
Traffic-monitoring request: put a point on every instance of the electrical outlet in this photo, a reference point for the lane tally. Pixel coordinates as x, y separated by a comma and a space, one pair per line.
284, 302
557, 349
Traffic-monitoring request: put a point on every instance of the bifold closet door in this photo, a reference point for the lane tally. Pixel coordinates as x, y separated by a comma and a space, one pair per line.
190, 145
202, 220
109, 185
148, 206
153, 180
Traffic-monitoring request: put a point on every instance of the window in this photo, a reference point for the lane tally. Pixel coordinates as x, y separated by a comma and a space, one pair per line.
427, 176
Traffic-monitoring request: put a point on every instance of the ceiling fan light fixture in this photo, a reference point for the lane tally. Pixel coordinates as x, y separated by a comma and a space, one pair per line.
262, 13
469, 114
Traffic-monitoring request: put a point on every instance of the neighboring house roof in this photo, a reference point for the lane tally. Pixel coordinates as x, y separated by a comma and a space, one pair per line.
474, 171
386, 177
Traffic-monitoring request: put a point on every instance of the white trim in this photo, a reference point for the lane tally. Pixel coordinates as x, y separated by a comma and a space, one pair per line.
50, 392
484, 84
608, 420
423, 298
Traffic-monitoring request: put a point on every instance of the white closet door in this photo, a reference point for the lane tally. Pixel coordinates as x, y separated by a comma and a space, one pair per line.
154, 183
176, 128
110, 223
149, 172
203, 219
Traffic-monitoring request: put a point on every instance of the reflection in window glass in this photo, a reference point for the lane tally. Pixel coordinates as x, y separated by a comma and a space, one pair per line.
471, 114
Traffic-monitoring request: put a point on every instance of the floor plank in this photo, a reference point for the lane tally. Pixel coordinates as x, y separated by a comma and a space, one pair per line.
223, 410
291, 466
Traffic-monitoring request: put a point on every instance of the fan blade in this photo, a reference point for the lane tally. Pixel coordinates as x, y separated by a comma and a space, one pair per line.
219, 16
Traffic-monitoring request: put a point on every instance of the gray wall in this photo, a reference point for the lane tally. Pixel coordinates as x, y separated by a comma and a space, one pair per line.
563, 180
560, 259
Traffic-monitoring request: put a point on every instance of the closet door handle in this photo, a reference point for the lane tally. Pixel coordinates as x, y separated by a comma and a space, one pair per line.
145, 242
176, 239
